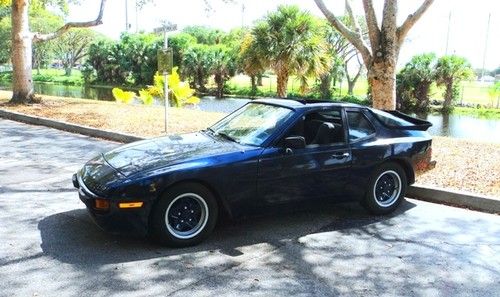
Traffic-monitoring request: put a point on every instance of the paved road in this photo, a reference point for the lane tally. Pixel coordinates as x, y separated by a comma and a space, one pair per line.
49, 246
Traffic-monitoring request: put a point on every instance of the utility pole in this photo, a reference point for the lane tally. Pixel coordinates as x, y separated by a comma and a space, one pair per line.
485, 45
448, 34
242, 15
126, 15
136, 18
165, 78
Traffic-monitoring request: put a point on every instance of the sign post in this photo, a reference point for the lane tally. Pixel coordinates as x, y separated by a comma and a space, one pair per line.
165, 61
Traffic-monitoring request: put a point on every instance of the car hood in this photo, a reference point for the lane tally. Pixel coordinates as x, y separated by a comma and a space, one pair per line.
164, 151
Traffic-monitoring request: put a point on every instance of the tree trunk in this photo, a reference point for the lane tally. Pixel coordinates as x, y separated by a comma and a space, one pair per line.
282, 83
219, 80
259, 80
200, 82
22, 80
253, 83
382, 80
422, 96
385, 43
325, 83
351, 82
350, 87
68, 65
448, 97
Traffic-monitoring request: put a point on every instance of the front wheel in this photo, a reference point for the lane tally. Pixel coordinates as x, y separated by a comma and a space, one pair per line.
185, 215
386, 189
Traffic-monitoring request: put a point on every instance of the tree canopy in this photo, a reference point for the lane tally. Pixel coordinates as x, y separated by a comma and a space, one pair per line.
287, 40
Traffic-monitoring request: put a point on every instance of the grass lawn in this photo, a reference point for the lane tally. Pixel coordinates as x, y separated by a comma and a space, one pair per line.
269, 85
488, 113
50, 75
471, 92
455, 168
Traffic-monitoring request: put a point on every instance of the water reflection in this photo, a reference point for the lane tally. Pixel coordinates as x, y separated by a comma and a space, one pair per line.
87, 92
463, 126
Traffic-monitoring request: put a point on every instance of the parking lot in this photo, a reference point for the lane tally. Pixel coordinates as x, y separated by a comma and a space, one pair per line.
49, 246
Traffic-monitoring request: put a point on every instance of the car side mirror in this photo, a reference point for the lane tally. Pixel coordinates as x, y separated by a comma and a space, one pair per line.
295, 142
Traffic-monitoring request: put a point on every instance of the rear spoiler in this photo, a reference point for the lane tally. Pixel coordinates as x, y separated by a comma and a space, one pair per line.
418, 124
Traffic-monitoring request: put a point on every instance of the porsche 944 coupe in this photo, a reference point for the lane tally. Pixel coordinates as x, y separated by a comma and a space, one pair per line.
270, 152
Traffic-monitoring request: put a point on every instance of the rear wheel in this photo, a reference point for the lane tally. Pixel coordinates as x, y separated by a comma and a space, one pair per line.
185, 215
386, 189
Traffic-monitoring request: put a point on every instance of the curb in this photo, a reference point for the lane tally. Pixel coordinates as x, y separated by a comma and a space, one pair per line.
430, 194
454, 198
93, 132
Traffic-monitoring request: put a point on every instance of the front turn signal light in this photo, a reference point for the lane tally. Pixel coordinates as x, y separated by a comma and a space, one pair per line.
101, 204
130, 204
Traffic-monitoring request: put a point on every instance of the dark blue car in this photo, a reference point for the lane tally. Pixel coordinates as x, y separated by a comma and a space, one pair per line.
267, 153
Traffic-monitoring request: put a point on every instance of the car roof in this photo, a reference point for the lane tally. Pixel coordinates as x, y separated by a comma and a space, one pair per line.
305, 104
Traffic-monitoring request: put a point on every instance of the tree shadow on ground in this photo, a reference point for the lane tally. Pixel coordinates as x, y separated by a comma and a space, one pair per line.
72, 237
326, 251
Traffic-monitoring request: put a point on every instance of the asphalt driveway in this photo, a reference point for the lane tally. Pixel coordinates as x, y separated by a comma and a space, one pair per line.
49, 246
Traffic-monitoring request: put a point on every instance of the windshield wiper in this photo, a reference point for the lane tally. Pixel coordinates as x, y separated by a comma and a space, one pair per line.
209, 130
226, 136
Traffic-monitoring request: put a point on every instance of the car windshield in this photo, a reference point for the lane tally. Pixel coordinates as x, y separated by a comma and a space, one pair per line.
252, 124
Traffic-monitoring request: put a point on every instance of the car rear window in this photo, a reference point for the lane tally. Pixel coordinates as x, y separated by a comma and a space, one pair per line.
359, 126
389, 119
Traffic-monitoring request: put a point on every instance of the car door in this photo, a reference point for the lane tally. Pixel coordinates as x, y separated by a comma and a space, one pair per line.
315, 171
366, 149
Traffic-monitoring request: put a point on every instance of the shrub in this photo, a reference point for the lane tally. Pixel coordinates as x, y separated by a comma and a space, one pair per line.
182, 94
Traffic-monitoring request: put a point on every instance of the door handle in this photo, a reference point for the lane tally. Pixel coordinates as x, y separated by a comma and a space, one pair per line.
340, 155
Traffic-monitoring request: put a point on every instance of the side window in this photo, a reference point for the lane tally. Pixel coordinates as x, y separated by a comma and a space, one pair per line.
359, 126
320, 128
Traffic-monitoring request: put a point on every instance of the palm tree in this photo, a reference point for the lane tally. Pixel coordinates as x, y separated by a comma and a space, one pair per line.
416, 79
313, 61
289, 43
222, 66
250, 60
196, 65
450, 71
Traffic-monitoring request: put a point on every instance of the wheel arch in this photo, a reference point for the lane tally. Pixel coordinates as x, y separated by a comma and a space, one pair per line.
407, 167
221, 202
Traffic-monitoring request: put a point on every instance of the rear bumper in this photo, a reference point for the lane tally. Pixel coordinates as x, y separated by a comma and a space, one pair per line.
114, 220
423, 162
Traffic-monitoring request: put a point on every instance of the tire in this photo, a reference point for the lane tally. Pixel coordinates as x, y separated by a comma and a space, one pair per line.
384, 194
184, 216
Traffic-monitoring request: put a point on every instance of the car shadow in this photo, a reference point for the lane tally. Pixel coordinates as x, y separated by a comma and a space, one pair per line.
71, 237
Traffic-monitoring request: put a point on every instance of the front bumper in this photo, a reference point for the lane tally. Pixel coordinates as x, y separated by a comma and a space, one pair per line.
113, 219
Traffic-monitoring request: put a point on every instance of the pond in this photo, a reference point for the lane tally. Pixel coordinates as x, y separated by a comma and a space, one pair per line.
464, 126
87, 92
458, 126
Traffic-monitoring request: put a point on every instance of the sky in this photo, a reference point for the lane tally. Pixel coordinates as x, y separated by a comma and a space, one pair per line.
467, 33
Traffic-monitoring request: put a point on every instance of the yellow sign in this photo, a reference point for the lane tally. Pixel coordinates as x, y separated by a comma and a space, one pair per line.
165, 61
